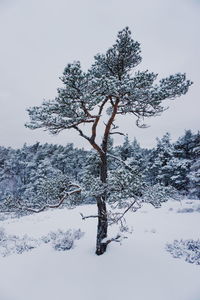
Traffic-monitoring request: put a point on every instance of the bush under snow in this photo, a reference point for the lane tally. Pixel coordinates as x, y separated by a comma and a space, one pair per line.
186, 249
62, 240
10, 244
59, 240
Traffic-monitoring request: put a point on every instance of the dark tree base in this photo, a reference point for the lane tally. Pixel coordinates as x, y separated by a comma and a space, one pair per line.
102, 226
101, 249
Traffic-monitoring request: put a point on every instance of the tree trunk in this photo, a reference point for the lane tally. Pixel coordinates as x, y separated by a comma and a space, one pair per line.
102, 226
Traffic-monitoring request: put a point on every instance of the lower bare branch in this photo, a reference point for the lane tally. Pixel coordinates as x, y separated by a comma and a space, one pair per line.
119, 217
117, 132
67, 194
107, 241
87, 217
128, 208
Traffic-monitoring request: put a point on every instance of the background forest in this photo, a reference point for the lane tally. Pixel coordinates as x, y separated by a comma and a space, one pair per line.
34, 174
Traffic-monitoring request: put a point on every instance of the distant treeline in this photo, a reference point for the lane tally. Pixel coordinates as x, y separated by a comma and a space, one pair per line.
169, 164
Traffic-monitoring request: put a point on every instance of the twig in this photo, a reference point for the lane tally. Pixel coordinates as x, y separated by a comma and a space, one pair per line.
117, 132
128, 208
108, 241
87, 217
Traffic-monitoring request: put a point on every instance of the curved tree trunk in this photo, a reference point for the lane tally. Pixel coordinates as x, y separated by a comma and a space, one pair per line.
102, 226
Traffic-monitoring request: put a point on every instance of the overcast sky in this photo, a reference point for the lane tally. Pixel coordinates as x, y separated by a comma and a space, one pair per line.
39, 37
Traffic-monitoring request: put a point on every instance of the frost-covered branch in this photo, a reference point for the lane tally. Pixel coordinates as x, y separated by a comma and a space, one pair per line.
121, 161
23, 207
107, 241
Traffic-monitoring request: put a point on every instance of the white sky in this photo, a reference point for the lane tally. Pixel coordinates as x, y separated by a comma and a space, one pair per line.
39, 37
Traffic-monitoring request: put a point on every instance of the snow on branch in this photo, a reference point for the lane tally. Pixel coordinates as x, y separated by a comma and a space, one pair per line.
19, 205
121, 161
108, 240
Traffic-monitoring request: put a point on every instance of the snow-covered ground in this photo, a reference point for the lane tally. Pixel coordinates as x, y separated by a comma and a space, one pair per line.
139, 269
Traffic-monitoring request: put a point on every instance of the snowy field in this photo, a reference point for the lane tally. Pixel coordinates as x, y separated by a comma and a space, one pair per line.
140, 268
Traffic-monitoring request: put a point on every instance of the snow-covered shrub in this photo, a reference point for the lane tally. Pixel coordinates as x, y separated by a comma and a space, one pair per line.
185, 210
59, 240
190, 207
186, 249
10, 244
2, 234
62, 240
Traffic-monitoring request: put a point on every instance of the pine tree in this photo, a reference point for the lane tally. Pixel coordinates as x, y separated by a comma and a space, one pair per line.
126, 149
194, 174
109, 85
185, 157
159, 167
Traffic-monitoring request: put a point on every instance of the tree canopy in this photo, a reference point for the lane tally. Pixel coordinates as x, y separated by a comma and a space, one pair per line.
110, 83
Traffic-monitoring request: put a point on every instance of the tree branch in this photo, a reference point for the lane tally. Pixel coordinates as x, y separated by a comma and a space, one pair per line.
81, 133
123, 162
94, 126
94, 145
108, 126
67, 194
116, 219
117, 132
126, 210
107, 241
87, 217
86, 111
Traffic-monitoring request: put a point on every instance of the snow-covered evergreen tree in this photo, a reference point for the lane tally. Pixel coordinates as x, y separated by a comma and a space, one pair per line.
109, 85
160, 170
194, 174
169, 165
185, 145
